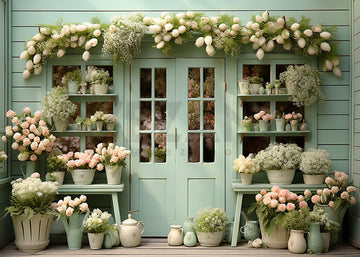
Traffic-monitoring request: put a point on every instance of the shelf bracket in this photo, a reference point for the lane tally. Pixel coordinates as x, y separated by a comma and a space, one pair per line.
305, 136
243, 98
242, 136
113, 100
111, 134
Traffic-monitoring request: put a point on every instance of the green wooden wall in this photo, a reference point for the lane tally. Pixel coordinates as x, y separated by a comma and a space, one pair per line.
334, 133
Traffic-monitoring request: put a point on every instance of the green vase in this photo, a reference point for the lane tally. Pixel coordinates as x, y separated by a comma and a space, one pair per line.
190, 239
314, 240
188, 225
27, 168
74, 230
336, 215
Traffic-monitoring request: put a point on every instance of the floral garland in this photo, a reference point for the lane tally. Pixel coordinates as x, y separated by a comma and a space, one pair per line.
122, 39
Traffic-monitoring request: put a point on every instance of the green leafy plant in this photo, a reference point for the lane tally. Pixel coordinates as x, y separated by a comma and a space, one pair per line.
210, 220
256, 80
326, 224
88, 122
73, 75
298, 219
95, 75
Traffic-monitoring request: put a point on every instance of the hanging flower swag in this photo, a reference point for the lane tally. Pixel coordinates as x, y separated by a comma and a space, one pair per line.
122, 38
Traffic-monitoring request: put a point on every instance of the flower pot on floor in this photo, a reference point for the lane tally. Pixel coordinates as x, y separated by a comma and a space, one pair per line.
297, 242
210, 239
278, 238
96, 240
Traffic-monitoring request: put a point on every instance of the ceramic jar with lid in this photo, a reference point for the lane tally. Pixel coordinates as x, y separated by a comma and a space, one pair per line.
130, 232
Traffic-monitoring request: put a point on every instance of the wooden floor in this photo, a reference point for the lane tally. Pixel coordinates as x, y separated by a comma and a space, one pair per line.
159, 247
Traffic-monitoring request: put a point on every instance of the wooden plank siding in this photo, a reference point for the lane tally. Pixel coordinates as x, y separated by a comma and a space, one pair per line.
333, 115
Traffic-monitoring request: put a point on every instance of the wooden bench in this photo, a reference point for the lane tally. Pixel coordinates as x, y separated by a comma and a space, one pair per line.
241, 190
97, 189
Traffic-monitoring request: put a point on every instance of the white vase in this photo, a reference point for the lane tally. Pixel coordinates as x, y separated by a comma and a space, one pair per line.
244, 87
113, 175
263, 125
280, 177
254, 88
246, 178
325, 236
83, 176
210, 239
297, 242
294, 126
96, 240
280, 124
278, 238
313, 179
60, 125
58, 176
99, 125
32, 234
100, 89
73, 87
110, 126
89, 127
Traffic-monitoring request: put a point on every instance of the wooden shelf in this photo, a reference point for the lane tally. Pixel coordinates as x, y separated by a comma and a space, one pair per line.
90, 189
84, 133
264, 97
93, 98
274, 132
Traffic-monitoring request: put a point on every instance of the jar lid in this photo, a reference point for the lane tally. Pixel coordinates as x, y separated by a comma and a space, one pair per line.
129, 221
176, 226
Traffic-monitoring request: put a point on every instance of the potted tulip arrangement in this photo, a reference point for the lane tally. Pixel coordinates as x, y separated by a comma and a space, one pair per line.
98, 119
99, 79
113, 158
110, 120
72, 79
280, 162
264, 120
315, 164
246, 167
96, 225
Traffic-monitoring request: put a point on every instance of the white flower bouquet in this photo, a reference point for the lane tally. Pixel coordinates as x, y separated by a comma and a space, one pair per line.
109, 118
96, 75
279, 157
98, 116
68, 206
83, 160
246, 165
210, 220
112, 155
32, 196
315, 162
97, 222
3, 156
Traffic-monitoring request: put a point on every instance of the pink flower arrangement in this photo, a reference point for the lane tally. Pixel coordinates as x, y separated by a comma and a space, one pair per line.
82, 160
112, 155
293, 117
68, 206
337, 194
264, 116
30, 134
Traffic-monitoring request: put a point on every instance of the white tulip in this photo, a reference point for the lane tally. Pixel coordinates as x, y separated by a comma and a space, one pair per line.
182, 22
112, 28
37, 69
60, 53
235, 27
213, 20
325, 35
73, 44
194, 25
26, 74
167, 37
86, 56
335, 61
253, 38
45, 31
30, 43
178, 40
270, 45
180, 15
67, 44
308, 32
265, 16
168, 26
317, 28
80, 28
337, 71
328, 65
249, 25
199, 41
210, 50
190, 14
96, 26
236, 20
29, 65
74, 38
255, 26
261, 41
148, 20
222, 27
38, 37
285, 34
24, 55
162, 23
182, 29
156, 28
157, 39
279, 40
325, 46
208, 40
46, 52
93, 42
297, 34
287, 46
301, 42
97, 33
37, 58
258, 19
295, 26
175, 33
70, 29
87, 45
260, 54
160, 45
245, 39
280, 21
255, 45
168, 18
82, 40
312, 50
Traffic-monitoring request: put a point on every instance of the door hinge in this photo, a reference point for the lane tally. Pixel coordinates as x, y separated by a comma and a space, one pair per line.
225, 86
175, 138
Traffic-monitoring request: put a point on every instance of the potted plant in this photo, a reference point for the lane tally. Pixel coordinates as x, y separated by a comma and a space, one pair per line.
293, 120
72, 79
280, 161
96, 225
98, 118
297, 221
255, 84
280, 121
269, 87
99, 79
88, 123
246, 124
57, 166
32, 211
277, 85
70, 212
82, 166
315, 164
264, 120
110, 120
79, 121
57, 107
303, 83
246, 167
210, 224
113, 158
30, 136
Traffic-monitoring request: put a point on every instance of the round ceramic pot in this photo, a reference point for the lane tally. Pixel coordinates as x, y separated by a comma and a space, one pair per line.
210, 239
278, 238
100, 89
110, 126
297, 242
246, 178
190, 239
244, 87
113, 175
60, 125
280, 124
83, 176
254, 88
58, 177
250, 230
280, 177
313, 179
176, 235
96, 240
73, 87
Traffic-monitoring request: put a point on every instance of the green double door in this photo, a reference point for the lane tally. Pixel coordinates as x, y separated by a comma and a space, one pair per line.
177, 140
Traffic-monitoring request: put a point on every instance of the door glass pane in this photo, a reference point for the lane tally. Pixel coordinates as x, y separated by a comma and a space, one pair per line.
261, 71
92, 107
292, 140
160, 115
254, 144
67, 144
145, 83
160, 82
209, 82
194, 82
59, 72
145, 115
92, 142
160, 147
209, 115
193, 147
194, 115
145, 147
209, 147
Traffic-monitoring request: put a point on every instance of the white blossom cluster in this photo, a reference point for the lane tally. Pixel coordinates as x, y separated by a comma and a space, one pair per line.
279, 157
315, 161
95, 75
97, 222
247, 165
210, 220
3, 156
98, 116
56, 104
110, 118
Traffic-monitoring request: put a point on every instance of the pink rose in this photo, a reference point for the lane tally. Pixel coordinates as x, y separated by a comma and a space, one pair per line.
300, 198
275, 189
37, 151
61, 208
10, 114
282, 199
352, 200
9, 133
34, 146
331, 204
67, 199
33, 157
290, 206
26, 132
266, 117
71, 164
14, 145
334, 190
69, 211
274, 195
257, 116
27, 110
263, 191
287, 116
77, 201
26, 141
337, 174
282, 207
15, 120
315, 199
344, 195
350, 189
274, 203
83, 198
258, 197
71, 203
303, 204
262, 113
15, 128
37, 114
284, 192
99, 167
53, 206
292, 197
3, 138
266, 200
319, 191
60, 203
295, 116
83, 207
35, 175
343, 178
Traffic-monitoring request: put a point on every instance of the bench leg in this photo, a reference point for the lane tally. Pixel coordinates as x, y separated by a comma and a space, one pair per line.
116, 207
239, 198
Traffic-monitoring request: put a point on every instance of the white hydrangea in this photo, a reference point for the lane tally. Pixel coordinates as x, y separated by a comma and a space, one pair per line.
315, 161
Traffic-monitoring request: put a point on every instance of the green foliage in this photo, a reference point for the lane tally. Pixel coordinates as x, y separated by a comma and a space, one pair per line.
210, 220
74, 76
298, 219
256, 80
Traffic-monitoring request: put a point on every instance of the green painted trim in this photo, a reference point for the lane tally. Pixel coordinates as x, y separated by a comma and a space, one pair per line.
5, 181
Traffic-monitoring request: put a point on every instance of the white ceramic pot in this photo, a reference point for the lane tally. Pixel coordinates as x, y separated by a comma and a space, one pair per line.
280, 177
130, 232
246, 178
326, 241
83, 176
110, 126
96, 240
73, 87
280, 124
297, 242
58, 176
60, 125
254, 88
244, 87
32, 235
113, 175
100, 89
99, 125
294, 126
313, 179
176, 235
210, 239
278, 238
264, 125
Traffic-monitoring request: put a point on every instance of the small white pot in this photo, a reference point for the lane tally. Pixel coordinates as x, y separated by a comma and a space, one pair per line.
264, 125
83, 176
280, 124
73, 87
254, 88
99, 125
113, 175
244, 87
246, 178
100, 89
110, 126
297, 242
210, 239
59, 176
313, 179
60, 125
280, 177
96, 240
